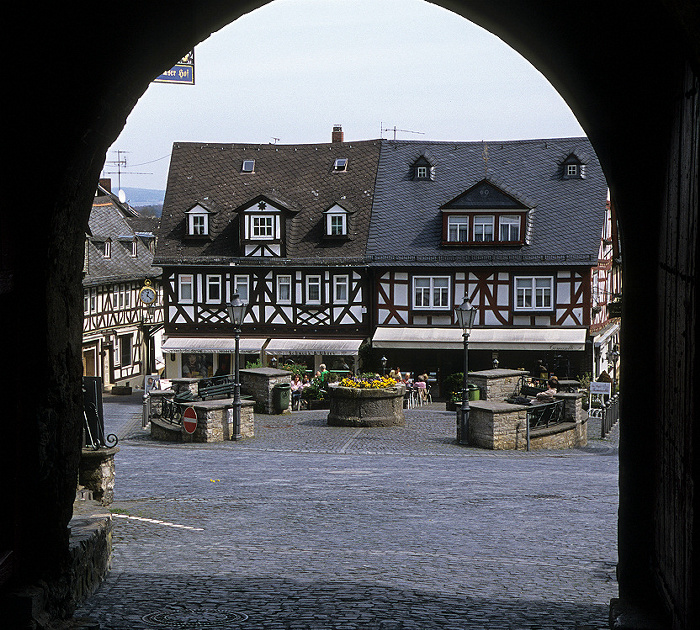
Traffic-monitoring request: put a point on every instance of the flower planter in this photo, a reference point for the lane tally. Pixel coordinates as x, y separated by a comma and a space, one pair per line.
366, 407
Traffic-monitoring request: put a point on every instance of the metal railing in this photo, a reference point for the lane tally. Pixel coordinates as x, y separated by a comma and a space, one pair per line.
609, 414
93, 416
543, 415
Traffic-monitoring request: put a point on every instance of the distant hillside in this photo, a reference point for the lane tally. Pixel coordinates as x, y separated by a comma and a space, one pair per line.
138, 197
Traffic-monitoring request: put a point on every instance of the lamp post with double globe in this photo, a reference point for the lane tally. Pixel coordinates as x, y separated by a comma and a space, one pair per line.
466, 313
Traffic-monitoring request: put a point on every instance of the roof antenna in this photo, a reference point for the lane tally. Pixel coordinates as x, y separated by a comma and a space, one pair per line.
383, 129
276, 140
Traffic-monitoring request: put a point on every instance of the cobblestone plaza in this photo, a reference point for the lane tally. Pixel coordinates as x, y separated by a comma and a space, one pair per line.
307, 526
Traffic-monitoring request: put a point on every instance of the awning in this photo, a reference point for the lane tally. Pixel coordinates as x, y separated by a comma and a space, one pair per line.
313, 346
412, 338
603, 335
247, 345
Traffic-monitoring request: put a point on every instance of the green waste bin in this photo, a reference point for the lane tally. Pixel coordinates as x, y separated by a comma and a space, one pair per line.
474, 392
280, 397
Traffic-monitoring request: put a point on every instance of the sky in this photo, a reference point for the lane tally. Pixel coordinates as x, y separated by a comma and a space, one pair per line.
291, 70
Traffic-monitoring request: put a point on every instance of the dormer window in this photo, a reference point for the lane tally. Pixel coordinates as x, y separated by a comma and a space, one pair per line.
422, 169
248, 166
340, 164
134, 248
263, 222
198, 221
484, 215
107, 250
336, 222
572, 167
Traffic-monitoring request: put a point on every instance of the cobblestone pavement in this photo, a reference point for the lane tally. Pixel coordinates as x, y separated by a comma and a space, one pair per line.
327, 528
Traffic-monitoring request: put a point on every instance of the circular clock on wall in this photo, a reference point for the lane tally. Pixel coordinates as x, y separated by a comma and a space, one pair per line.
147, 294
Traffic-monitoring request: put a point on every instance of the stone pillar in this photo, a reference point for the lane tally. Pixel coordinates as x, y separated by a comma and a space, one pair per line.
573, 412
497, 384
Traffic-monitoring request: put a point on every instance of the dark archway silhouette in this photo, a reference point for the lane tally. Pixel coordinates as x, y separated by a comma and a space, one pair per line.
628, 71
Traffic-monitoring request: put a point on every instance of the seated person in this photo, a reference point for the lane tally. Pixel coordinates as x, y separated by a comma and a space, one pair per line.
548, 394
422, 387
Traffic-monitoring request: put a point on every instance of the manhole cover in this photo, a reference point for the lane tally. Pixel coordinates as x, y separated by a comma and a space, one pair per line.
193, 618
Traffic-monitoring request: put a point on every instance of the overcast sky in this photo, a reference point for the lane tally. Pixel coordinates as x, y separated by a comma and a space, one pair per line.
288, 72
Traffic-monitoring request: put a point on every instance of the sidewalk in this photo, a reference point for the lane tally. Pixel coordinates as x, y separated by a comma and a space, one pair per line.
322, 528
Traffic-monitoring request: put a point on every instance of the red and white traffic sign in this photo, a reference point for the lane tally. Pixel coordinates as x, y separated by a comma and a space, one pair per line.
189, 420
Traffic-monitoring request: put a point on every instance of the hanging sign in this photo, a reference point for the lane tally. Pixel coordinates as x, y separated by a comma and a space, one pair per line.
599, 388
181, 72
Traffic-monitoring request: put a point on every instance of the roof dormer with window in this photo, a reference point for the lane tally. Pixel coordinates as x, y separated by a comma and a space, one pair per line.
573, 167
336, 222
484, 215
422, 169
263, 224
198, 223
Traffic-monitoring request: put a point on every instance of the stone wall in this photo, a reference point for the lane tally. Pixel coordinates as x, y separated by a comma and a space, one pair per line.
259, 382
497, 384
366, 407
499, 425
97, 473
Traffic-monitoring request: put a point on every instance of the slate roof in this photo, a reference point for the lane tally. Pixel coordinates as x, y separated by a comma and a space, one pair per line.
109, 221
301, 176
565, 222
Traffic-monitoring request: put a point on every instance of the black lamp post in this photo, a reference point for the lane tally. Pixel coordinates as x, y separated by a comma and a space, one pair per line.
465, 317
236, 312
613, 356
383, 360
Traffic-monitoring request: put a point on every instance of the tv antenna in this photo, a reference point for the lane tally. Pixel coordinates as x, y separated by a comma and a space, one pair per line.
394, 129
120, 163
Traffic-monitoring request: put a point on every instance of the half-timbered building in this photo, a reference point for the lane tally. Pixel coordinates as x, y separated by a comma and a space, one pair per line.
285, 227
514, 226
337, 244
122, 296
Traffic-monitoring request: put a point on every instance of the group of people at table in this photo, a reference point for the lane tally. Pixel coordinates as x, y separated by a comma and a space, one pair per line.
418, 386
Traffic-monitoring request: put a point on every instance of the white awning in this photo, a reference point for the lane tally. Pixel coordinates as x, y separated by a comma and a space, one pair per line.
412, 338
603, 335
247, 345
313, 346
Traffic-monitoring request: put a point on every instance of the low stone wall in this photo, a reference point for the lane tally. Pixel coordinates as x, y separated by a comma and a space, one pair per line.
259, 382
366, 407
497, 384
499, 425
214, 421
97, 473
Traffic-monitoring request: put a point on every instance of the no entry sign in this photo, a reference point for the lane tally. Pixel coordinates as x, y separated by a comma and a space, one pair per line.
189, 419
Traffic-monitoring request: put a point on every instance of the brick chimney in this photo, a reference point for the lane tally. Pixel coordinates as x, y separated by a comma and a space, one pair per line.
106, 183
337, 135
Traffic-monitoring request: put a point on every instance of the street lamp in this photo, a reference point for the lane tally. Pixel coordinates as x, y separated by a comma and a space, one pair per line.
383, 360
466, 313
613, 356
236, 312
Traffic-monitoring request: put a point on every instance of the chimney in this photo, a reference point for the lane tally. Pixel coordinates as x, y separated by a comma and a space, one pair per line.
337, 135
106, 183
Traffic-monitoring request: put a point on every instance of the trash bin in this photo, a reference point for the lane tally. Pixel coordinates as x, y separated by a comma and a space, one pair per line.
474, 392
280, 397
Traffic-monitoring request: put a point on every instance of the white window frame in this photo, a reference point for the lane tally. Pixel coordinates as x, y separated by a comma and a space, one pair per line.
343, 224
93, 300
184, 280
107, 250
421, 172
214, 289
86, 301
130, 339
314, 281
430, 291
262, 227
241, 285
248, 166
284, 281
342, 284
539, 290
197, 227
507, 223
454, 224
134, 248
340, 165
572, 170
480, 222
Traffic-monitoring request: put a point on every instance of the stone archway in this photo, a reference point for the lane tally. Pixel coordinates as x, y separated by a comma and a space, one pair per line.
630, 78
